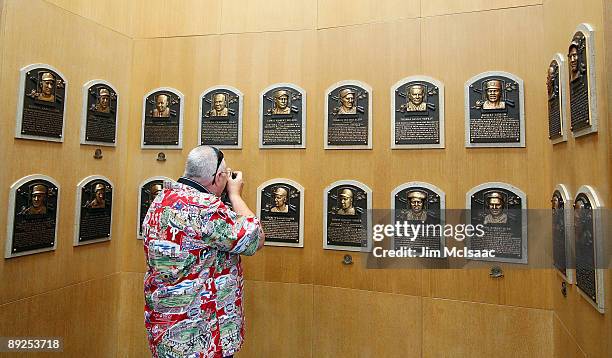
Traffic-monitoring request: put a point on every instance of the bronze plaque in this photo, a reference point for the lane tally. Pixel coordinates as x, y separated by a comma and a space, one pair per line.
282, 117
555, 104
559, 233
95, 210
494, 111
416, 204
148, 192
41, 104
163, 119
221, 117
584, 232
348, 112
34, 221
579, 82
347, 216
100, 114
417, 117
499, 208
281, 213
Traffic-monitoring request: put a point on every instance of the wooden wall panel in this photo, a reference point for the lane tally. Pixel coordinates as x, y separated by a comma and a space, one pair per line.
169, 18
279, 320
268, 15
380, 63
446, 7
36, 31
338, 13
114, 14
564, 344
84, 315
132, 336
464, 329
469, 51
355, 323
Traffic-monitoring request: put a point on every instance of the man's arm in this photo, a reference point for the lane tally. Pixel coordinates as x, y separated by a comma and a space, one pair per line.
234, 191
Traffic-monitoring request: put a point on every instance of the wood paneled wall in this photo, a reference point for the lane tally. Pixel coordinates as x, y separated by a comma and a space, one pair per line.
305, 302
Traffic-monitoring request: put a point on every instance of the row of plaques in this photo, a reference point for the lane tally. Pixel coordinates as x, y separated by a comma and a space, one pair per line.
347, 220
494, 113
494, 109
580, 74
34, 212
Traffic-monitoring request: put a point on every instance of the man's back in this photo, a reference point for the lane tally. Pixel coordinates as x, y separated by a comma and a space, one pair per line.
193, 286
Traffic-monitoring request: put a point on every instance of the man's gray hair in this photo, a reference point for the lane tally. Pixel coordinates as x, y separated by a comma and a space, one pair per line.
201, 163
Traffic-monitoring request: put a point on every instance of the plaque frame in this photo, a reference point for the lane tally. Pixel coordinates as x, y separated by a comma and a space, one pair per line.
589, 35
20, 99
425, 185
521, 89
86, 86
368, 191
302, 196
77, 210
240, 105
569, 276
181, 119
138, 213
441, 125
598, 235
563, 84
518, 192
11, 215
329, 89
303, 115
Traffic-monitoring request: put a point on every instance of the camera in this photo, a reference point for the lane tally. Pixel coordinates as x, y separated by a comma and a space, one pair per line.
234, 175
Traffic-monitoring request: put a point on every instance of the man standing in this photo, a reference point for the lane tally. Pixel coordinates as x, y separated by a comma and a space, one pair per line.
192, 243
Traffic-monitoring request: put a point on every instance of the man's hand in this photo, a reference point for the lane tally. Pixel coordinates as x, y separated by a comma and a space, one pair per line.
234, 185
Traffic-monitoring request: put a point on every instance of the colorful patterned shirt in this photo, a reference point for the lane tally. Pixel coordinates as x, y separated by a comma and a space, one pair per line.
193, 287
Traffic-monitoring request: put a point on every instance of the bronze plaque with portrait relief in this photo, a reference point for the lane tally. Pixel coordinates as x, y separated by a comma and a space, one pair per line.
494, 111
163, 119
348, 116
221, 117
499, 209
34, 222
101, 114
280, 205
42, 103
579, 82
282, 118
346, 216
95, 211
417, 114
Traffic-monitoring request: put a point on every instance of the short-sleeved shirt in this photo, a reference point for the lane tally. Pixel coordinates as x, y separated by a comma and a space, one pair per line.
193, 286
